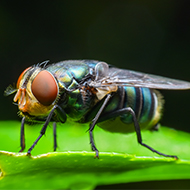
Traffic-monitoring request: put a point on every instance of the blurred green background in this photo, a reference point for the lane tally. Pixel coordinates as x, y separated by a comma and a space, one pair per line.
148, 36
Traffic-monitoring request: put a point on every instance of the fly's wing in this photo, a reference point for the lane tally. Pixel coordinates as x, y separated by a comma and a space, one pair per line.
122, 77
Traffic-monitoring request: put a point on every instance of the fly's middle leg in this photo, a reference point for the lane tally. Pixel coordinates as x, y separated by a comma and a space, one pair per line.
93, 145
94, 121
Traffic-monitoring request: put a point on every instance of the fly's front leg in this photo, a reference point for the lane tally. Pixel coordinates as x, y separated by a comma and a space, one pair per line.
92, 125
136, 125
43, 130
22, 137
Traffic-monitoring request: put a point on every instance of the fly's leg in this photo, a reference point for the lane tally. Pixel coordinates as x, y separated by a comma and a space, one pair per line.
137, 128
22, 137
43, 130
93, 145
54, 137
92, 125
155, 127
139, 137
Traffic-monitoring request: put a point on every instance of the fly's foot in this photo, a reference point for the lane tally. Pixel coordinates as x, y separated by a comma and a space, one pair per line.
28, 154
175, 157
93, 147
97, 154
21, 150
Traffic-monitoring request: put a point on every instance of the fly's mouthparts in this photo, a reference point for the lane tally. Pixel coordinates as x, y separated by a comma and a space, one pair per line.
20, 97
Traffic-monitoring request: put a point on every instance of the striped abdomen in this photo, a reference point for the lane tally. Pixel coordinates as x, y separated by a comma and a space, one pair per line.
146, 103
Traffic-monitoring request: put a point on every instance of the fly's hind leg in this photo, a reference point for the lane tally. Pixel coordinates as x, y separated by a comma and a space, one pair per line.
136, 125
155, 127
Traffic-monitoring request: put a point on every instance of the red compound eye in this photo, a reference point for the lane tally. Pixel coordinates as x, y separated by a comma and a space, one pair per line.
44, 87
20, 77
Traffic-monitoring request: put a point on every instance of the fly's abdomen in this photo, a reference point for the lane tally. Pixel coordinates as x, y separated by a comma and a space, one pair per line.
146, 103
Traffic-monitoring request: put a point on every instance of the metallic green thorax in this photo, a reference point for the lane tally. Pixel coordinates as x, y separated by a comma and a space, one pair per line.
69, 74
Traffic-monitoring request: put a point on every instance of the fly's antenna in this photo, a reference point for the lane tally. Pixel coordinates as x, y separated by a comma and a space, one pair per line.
10, 90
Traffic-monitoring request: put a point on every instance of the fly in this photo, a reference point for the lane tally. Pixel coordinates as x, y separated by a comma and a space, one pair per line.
88, 91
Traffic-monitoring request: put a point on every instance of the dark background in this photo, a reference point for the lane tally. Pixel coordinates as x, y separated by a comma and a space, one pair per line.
148, 36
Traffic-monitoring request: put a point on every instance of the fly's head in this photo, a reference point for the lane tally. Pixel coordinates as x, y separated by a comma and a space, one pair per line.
37, 92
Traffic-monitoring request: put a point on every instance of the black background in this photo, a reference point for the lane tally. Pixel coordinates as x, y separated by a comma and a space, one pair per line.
148, 36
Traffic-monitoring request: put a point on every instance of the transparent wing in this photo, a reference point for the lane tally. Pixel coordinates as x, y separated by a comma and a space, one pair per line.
122, 77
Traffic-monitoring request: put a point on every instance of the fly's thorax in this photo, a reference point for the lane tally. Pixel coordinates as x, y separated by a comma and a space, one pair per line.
65, 79
80, 102
37, 92
69, 73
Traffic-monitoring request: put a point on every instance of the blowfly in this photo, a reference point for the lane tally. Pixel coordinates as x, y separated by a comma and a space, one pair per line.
88, 91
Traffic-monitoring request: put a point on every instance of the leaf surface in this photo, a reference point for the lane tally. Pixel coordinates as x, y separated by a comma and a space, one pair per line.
73, 166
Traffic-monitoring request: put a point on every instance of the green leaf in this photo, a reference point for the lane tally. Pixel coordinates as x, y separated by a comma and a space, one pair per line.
73, 166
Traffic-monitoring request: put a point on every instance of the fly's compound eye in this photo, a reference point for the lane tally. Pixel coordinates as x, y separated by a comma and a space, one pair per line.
44, 88
21, 76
